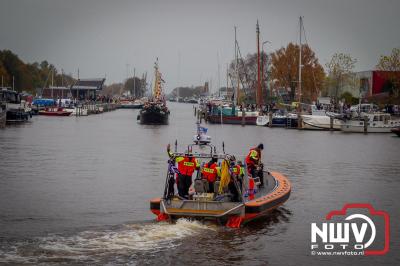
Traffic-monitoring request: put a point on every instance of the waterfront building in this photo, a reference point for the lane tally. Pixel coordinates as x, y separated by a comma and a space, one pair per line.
87, 88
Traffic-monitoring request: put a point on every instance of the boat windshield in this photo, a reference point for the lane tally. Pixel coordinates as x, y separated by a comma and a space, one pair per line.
10, 96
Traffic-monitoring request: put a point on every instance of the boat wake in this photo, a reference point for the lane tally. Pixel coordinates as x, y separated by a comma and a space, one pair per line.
127, 242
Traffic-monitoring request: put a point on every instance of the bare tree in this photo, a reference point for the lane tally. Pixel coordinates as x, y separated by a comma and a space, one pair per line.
392, 63
340, 72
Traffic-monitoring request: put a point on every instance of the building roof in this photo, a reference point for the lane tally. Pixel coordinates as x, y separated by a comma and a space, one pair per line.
56, 88
89, 84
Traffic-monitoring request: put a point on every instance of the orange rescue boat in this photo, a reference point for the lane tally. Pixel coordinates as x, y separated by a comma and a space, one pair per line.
255, 201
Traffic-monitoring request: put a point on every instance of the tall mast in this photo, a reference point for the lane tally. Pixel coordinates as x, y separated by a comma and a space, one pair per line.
144, 83
300, 46
258, 94
219, 77
155, 79
134, 83
237, 69
227, 79
52, 82
179, 74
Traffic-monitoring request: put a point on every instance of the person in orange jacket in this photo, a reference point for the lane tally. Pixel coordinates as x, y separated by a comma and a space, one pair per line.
253, 162
210, 173
186, 166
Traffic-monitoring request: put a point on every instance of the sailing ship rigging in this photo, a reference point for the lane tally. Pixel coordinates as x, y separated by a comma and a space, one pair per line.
155, 111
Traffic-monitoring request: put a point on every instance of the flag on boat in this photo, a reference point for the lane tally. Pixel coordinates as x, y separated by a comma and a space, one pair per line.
203, 130
172, 168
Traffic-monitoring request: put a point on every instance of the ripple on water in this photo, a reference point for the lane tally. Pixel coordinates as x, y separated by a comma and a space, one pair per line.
101, 245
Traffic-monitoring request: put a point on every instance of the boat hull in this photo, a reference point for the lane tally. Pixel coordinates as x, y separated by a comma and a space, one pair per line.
396, 131
375, 122
358, 127
131, 106
17, 116
284, 122
57, 113
3, 119
233, 120
153, 118
77, 111
314, 122
288, 122
225, 212
262, 120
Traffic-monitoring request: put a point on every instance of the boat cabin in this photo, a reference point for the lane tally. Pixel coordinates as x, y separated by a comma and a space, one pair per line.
10, 96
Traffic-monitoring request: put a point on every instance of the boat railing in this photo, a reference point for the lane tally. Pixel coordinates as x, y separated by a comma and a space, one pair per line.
201, 155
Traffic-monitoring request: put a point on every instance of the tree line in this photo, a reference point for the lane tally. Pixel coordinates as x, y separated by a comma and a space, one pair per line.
29, 76
134, 85
280, 70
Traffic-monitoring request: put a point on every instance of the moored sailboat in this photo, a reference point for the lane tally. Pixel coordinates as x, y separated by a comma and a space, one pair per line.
220, 114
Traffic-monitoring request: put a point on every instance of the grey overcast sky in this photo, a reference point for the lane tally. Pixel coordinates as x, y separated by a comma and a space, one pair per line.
101, 37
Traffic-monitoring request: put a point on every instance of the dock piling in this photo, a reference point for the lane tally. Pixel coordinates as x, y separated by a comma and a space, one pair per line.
365, 124
270, 119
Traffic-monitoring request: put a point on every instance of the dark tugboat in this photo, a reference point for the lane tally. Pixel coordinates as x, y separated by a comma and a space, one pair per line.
155, 111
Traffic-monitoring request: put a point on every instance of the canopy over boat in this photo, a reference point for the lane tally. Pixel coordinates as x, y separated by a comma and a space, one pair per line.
44, 102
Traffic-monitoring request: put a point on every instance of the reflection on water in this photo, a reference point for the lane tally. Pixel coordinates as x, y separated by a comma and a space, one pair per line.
76, 190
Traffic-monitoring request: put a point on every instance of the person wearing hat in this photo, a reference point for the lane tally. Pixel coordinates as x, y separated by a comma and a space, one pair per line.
238, 171
186, 166
237, 174
210, 173
253, 162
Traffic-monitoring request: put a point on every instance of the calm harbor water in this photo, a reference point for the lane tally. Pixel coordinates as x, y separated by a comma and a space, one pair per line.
76, 191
